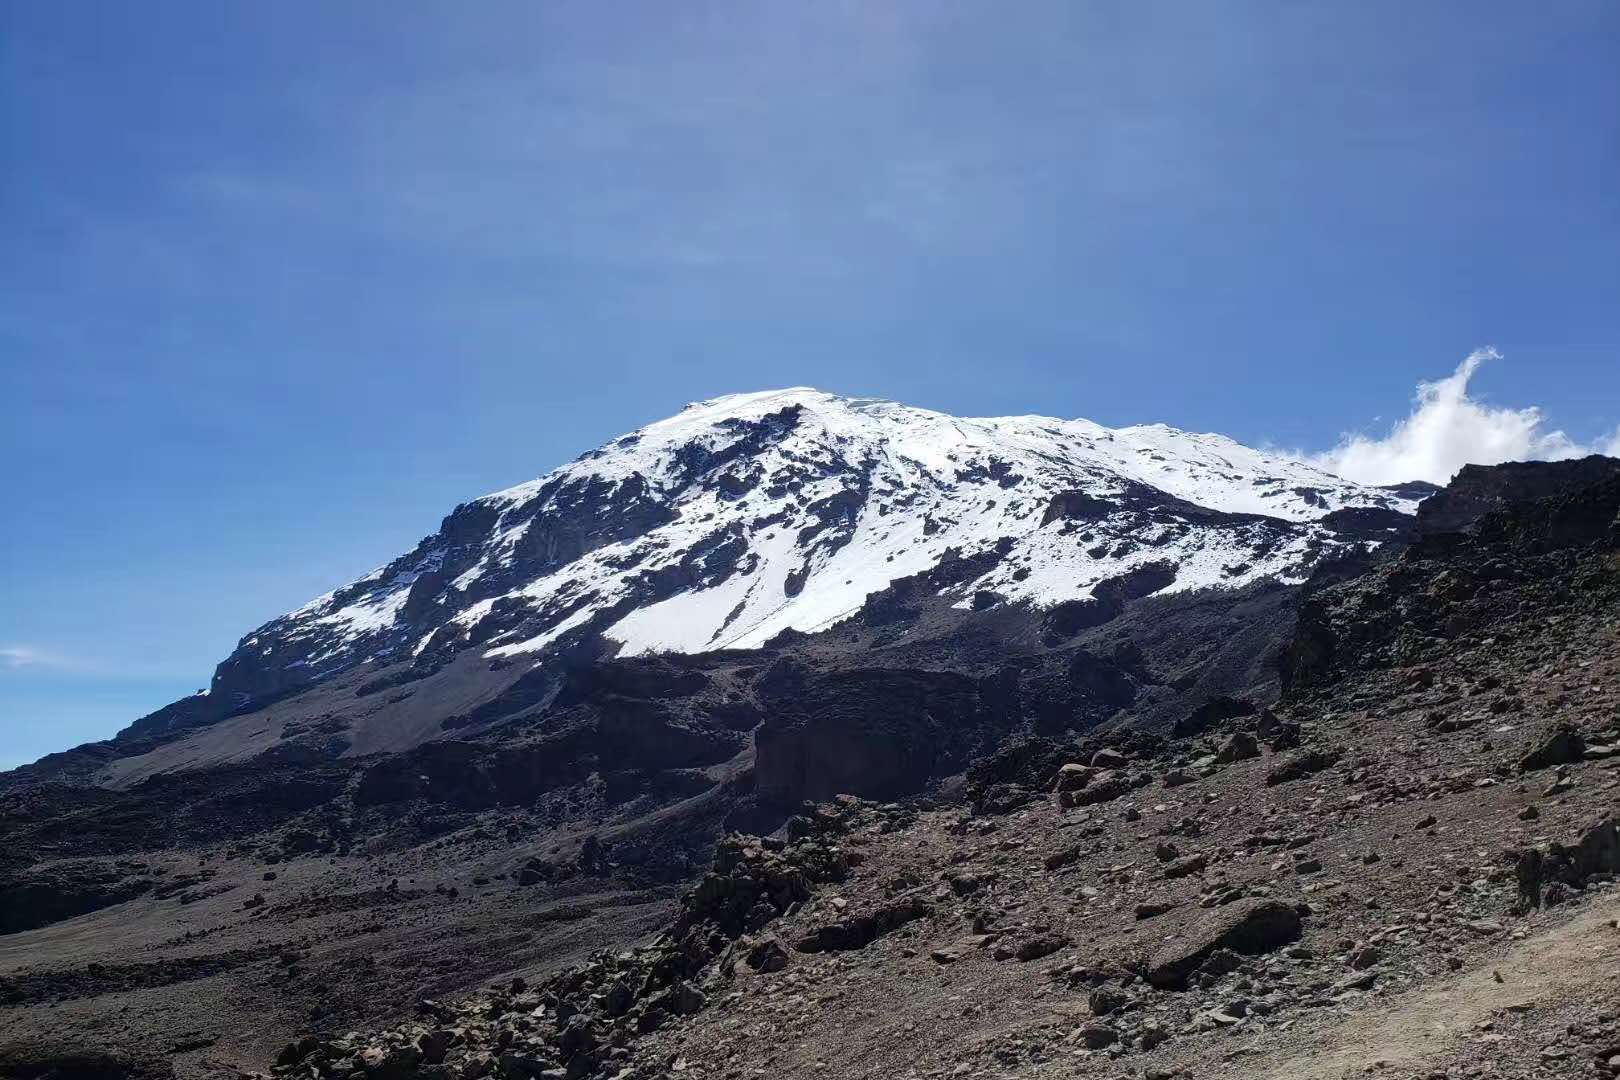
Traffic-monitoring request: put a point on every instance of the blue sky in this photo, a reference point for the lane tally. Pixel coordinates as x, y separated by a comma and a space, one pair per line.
282, 283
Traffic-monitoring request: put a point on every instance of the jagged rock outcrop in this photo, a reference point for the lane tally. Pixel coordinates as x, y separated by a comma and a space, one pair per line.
1449, 585
1477, 490
882, 733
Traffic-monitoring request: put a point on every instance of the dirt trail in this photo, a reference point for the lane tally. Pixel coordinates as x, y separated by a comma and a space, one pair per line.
1425, 1025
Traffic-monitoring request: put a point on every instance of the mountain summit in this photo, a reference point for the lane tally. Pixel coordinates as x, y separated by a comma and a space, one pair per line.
750, 515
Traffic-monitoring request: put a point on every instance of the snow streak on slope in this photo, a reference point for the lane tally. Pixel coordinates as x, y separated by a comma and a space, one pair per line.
748, 515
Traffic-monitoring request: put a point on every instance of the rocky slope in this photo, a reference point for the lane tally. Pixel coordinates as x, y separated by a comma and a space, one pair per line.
367, 810
1405, 868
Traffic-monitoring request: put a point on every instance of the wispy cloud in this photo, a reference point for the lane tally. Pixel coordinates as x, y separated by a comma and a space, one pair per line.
17, 657
24, 659
1448, 429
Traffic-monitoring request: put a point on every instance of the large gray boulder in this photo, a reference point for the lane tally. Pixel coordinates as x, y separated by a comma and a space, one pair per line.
1252, 926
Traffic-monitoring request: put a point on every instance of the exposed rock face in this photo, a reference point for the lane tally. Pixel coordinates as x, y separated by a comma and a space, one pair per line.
1448, 585
882, 733
63, 891
1477, 490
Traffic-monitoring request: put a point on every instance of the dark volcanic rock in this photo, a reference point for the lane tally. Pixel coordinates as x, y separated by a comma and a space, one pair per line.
768, 955
1447, 585
65, 1061
1247, 926
1477, 490
859, 931
1596, 852
1211, 714
880, 733
1563, 746
1107, 601
1238, 746
1297, 764
62, 891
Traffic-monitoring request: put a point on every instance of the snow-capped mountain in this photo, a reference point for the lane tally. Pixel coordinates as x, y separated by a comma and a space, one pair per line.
749, 515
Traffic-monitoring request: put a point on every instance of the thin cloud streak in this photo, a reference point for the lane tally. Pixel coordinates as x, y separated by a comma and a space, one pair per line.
18, 657
23, 659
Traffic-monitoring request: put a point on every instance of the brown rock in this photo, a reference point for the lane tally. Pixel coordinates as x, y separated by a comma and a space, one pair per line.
767, 955
1189, 864
1562, 747
1238, 746
1109, 759
1250, 926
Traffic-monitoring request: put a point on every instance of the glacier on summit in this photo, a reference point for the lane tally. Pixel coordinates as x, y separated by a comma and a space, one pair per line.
749, 515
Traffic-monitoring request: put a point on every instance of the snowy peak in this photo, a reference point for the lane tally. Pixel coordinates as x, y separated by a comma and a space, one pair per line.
751, 514
1209, 469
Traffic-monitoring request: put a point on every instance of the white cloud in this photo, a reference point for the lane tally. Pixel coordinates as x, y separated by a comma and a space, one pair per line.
1446, 430
32, 658
22, 656
23, 659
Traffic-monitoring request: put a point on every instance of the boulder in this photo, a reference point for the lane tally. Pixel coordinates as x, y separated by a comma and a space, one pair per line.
1073, 777
1064, 857
1598, 850
1563, 747
1038, 946
950, 954
1187, 864
1528, 872
1238, 746
1297, 764
687, 998
433, 1045
859, 931
1211, 714
1105, 1000
1558, 865
1365, 957
390, 1062
1109, 759
767, 955
1104, 788
1268, 724
294, 1052
1252, 926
